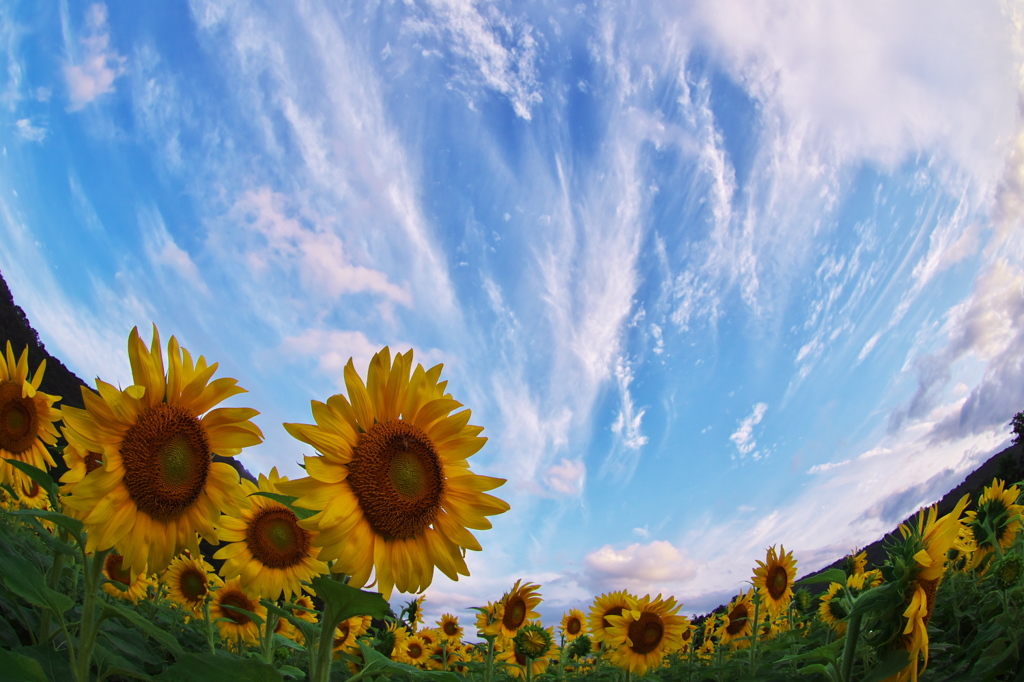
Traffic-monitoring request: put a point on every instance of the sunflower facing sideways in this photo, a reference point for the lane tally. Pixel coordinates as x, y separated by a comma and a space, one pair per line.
739, 620
189, 582
516, 609
997, 520
159, 485
773, 578
610, 604
268, 549
392, 486
236, 627
27, 418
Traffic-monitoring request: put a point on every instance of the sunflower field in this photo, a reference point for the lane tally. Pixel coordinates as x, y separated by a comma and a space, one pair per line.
151, 558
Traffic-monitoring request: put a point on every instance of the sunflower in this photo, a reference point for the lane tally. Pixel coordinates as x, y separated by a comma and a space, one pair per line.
532, 641
832, 609
114, 571
189, 582
27, 417
686, 637
306, 613
267, 548
393, 488
80, 462
451, 631
643, 635
996, 520
855, 562
33, 496
574, 624
610, 604
928, 542
347, 634
774, 578
414, 609
487, 616
739, 620
517, 607
412, 650
158, 485
235, 627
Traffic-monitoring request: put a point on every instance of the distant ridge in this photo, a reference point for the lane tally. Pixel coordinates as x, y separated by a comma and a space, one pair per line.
57, 379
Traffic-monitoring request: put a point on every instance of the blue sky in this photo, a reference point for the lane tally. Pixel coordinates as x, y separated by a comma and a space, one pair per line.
712, 275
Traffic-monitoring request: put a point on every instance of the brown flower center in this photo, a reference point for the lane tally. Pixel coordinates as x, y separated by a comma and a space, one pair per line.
239, 600
93, 461
613, 611
646, 633
738, 619
415, 650
397, 477
515, 612
114, 570
19, 420
451, 628
275, 538
777, 581
343, 633
166, 456
193, 584
574, 626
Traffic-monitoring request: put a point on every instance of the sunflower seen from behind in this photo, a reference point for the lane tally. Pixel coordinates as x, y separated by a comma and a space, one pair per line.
392, 484
268, 549
158, 485
639, 639
27, 418
773, 579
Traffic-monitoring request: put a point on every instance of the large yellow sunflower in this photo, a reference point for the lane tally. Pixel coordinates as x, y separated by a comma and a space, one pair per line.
27, 418
516, 609
739, 620
158, 485
773, 578
610, 604
268, 548
235, 627
393, 485
642, 636
189, 582
347, 634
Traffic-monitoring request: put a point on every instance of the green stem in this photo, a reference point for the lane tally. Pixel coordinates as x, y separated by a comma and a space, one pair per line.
756, 632
529, 669
321, 671
89, 628
850, 649
209, 627
268, 637
489, 660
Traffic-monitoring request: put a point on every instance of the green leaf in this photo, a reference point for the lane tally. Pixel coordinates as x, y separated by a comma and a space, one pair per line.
168, 641
55, 664
828, 652
893, 662
344, 601
72, 525
24, 579
372, 657
877, 598
291, 672
107, 661
832, 575
817, 668
191, 667
19, 668
309, 630
248, 614
289, 501
44, 479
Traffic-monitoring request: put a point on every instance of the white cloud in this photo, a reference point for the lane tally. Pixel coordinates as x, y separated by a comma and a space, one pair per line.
332, 349
97, 66
275, 238
165, 254
639, 568
28, 130
568, 477
627, 424
743, 436
820, 468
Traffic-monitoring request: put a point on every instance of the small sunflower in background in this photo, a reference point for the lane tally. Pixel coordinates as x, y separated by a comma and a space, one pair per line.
997, 520
268, 548
114, 571
517, 608
855, 562
773, 579
158, 485
450, 629
574, 624
190, 582
27, 418
307, 613
640, 638
739, 620
32, 496
392, 485
413, 612
832, 609
347, 634
610, 604
412, 650
235, 627
487, 616
80, 462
